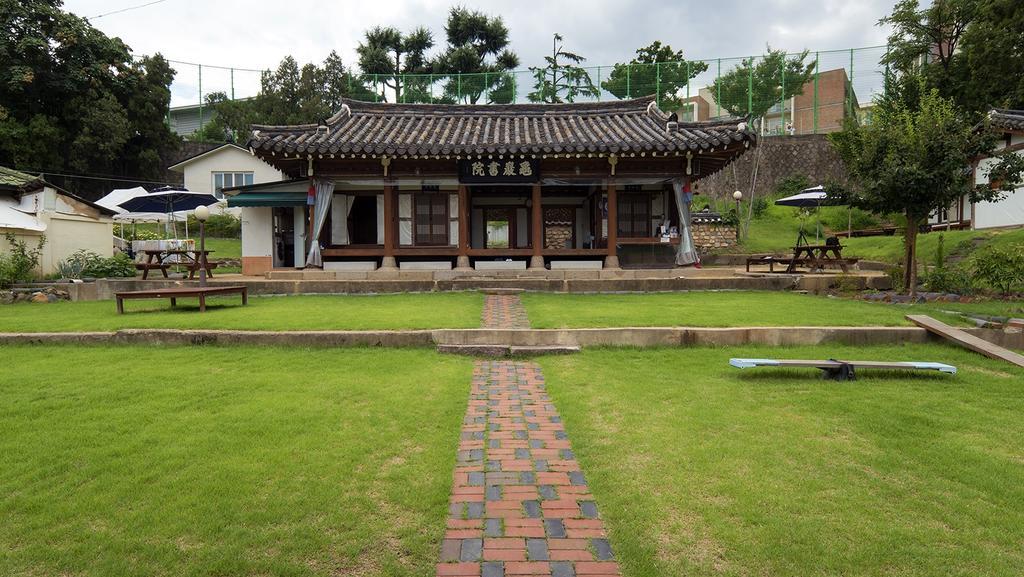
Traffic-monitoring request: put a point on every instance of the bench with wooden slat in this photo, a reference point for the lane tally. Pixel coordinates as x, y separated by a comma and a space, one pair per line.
181, 292
842, 370
145, 267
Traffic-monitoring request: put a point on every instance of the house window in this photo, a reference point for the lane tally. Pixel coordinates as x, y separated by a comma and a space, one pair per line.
634, 215
222, 180
431, 219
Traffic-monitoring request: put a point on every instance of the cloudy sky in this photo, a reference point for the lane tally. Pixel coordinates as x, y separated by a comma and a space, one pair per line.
256, 34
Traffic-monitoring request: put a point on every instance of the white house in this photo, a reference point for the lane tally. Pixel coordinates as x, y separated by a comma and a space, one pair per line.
1007, 212
231, 166
31, 208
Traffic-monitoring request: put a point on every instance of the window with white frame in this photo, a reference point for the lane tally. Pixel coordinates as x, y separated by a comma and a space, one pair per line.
222, 180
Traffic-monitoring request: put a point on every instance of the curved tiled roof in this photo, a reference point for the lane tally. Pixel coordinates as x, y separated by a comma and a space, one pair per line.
616, 127
1007, 119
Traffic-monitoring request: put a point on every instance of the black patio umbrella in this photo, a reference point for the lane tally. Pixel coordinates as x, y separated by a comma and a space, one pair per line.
168, 201
814, 197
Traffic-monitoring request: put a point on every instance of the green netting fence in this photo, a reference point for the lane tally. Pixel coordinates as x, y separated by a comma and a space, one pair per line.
842, 83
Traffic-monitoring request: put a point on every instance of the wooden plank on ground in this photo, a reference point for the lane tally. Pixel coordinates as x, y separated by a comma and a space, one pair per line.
968, 341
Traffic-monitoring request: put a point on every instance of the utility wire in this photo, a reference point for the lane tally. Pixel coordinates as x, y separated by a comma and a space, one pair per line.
43, 173
125, 9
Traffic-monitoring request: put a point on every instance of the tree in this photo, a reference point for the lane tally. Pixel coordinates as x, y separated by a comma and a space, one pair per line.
561, 77
75, 100
657, 69
478, 50
970, 50
288, 95
914, 158
756, 85
387, 55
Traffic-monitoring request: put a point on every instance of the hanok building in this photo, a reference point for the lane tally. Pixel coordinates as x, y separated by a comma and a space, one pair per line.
477, 186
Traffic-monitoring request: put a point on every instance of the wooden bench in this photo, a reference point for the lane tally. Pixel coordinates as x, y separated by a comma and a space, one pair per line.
145, 267
771, 261
181, 292
842, 370
193, 267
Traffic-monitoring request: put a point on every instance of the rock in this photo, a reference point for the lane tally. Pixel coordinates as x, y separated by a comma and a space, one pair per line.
6, 297
39, 298
52, 298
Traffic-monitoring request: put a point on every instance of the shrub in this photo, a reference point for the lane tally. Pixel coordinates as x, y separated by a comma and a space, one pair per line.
896, 278
842, 218
20, 264
760, 206
218, 226
949, 280
1001, 267
141, 234
791, 185
117, 266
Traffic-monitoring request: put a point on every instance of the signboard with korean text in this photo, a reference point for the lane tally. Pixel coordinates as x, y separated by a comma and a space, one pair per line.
499, 170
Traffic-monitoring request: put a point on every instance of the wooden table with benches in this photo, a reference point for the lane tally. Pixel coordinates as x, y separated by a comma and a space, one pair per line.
189, 259
181, 292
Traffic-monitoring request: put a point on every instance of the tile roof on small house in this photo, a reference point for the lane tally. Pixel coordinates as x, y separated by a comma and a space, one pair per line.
1007, 119
425, 130
17, 181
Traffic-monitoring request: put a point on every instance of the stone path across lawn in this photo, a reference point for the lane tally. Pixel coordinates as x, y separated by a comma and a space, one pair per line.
504, 312
520, 504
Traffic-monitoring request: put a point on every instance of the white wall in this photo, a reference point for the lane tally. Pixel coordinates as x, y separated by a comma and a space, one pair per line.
199, 171
1006, 212
257, 231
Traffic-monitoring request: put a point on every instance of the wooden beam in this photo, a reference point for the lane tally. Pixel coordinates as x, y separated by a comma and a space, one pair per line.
966, 340
537, 232
612, 260
463, 256
390, 222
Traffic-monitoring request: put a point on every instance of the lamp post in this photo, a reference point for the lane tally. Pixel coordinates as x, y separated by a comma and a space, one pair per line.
202, 213
737, 196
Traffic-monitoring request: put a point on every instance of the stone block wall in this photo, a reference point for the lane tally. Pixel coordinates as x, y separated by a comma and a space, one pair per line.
711, 237
780, 157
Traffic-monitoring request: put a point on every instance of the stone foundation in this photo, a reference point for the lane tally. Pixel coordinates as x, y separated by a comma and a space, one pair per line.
713, 237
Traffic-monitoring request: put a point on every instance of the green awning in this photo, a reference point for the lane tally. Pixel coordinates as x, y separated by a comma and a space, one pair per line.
267, 199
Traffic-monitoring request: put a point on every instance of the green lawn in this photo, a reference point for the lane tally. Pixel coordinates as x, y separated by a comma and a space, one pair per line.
708, 309
125, 461
348, 312
776, 232
700, 469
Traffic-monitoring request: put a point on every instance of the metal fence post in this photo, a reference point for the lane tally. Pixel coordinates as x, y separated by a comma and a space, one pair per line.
782, 102
599, 84
200, 97
629, 70
718, 83
232, 84
750, 90
817, 70
850, 93
657, 82
458, 79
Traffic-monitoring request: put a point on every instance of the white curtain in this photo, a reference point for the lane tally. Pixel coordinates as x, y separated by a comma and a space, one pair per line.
340, 210
686, 254
324, 194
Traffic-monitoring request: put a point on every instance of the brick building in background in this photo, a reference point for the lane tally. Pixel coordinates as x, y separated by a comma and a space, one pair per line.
832, 101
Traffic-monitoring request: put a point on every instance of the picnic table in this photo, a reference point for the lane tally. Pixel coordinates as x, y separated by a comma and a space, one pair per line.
817, 256
158, 259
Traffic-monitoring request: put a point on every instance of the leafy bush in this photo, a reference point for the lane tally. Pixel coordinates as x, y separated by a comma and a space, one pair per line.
19, 265
85, 263
842, 218
760, 206
896, 278
1001, 267
218, 226
141, 234
949, 280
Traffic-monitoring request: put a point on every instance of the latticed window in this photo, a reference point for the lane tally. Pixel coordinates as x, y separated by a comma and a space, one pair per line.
431, 219
634, 215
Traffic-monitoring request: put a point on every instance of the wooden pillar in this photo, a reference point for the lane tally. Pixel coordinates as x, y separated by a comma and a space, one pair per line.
537, 230
462, 262
612, 260
390, 222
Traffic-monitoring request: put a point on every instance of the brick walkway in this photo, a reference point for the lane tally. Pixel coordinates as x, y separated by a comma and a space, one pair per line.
504, 312
520, 504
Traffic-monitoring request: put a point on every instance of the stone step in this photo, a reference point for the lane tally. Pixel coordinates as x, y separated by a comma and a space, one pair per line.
507, 350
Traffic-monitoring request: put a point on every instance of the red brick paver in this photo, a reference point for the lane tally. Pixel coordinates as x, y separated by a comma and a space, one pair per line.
520, 504
504, 312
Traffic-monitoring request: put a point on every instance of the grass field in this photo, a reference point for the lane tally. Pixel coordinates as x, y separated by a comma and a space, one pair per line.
699, 469
348, 312
710, 309
137, 461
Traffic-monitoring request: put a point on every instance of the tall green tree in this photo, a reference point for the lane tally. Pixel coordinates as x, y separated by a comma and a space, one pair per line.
757, 84
561, 80
478, 51
288, 95
386, 54
75, 100
913, 159
657, 69
970, 50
